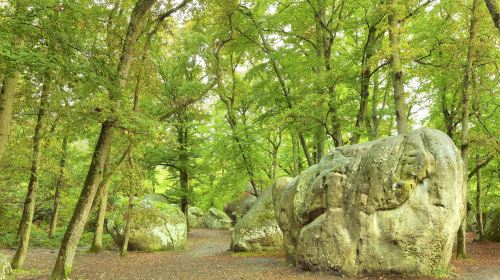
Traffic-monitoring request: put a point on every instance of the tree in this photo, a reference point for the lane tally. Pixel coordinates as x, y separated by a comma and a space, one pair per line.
467, 92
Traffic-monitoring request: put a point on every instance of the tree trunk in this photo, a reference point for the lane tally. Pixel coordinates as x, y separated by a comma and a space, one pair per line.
59, 185
64, 262
7, 92
320, 144
295, 155
6, 100
67, 251
101, 214
183, 169
24, 231
397, 72
365, 76
494, 12
466, 93
128, 224
479, 214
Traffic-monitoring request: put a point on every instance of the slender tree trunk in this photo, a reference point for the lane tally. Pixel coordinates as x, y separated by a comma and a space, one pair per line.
479, 210
101, 214
6, 100
64, 262
466, 93
320, 144
7, 92
295, 155
71, 238
183, 169
494, 12
59, 185
397, 72
24, 231
365, 76
128, 223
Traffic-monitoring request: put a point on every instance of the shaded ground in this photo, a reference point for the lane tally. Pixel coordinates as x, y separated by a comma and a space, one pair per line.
206, 257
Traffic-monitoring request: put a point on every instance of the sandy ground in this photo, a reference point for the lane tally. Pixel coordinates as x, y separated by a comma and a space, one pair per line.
206, 257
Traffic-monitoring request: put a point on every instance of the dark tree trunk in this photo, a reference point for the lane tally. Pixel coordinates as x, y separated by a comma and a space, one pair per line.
479, 214
494, 12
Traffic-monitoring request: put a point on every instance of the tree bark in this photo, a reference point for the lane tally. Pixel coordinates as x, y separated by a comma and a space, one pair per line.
128, 224
24, 230
7, 92
466, 93
479, 214
494, 12
182, 138
397, 72
365, 76
59, 185
6, 101
101, 214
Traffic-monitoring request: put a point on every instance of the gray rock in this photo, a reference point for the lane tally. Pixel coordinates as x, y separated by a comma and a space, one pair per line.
492, 229
216, 219
258, 230
239, 207
391, 206
156, 225
5, 268
195, 217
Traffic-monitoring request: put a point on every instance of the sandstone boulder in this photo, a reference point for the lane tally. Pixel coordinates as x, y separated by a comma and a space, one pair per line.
195, 217
492, 229
216, 219
156, 225
391, 206
238, 208
258, 229
5, 268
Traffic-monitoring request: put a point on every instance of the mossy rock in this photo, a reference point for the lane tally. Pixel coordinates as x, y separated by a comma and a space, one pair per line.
156, 225
216, 219
5, 268
195, 217
492, 229
385, 207
258, 229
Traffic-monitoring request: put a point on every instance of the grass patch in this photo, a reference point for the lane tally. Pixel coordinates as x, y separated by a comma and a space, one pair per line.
258, 254
26, 272
440, 273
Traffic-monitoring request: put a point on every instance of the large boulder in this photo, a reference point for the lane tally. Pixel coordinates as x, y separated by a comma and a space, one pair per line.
156, 225
5, 268
391, 206
239, 207
258, 230
195, 216
216, 219
492, 229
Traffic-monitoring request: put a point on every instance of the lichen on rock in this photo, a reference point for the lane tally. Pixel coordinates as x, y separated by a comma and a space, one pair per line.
156, 225
216, 219
258, 229
390, 206
5, 268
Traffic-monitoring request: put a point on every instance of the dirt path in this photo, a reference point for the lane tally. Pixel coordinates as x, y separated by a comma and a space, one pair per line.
206, 257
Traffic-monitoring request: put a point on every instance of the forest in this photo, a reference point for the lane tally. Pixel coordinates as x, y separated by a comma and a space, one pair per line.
232, 139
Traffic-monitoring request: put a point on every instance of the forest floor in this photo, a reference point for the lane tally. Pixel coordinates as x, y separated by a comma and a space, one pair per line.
206, 256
